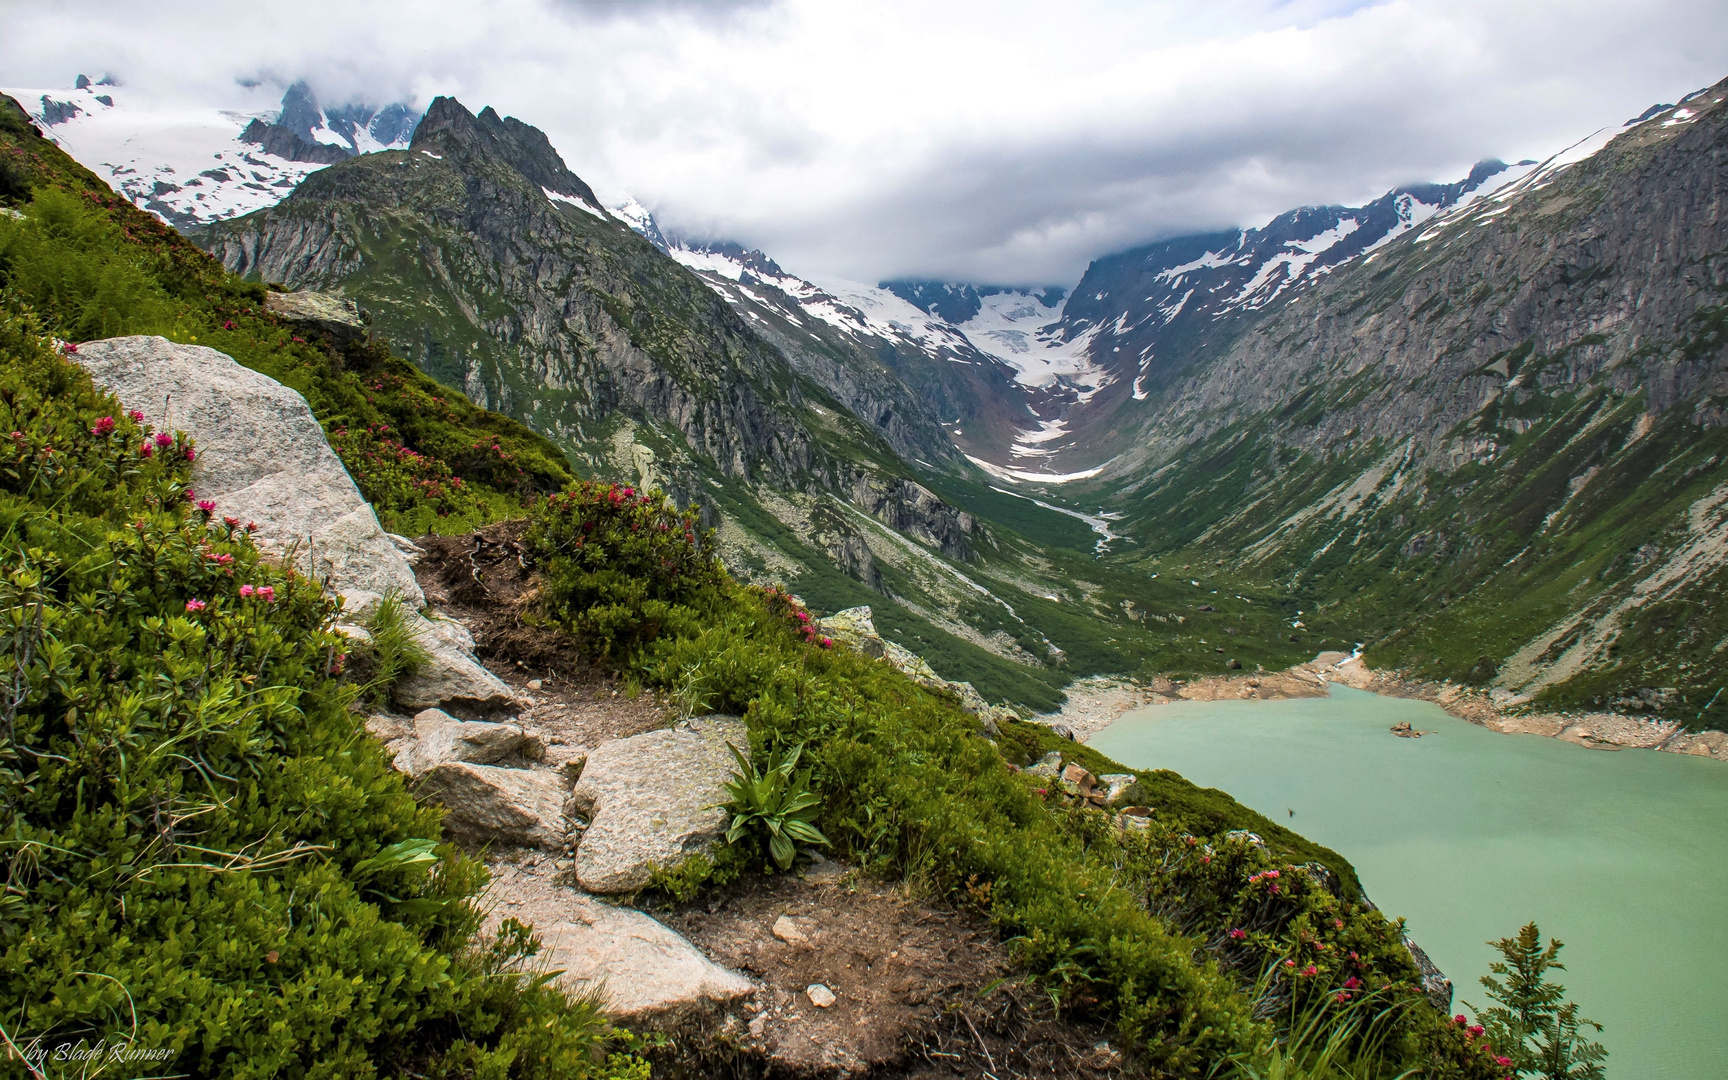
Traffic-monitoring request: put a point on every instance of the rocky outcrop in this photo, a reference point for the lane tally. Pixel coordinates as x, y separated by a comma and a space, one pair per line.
652, 800
328, 312
283, 143
856, 629
1435, 985
262, 457
912, 509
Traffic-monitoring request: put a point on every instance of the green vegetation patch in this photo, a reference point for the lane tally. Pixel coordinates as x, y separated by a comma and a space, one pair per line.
206, 858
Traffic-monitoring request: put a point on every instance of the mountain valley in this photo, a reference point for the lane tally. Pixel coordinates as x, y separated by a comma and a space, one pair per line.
1322, 492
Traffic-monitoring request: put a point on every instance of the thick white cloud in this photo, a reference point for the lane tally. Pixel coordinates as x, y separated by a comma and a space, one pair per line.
986, 141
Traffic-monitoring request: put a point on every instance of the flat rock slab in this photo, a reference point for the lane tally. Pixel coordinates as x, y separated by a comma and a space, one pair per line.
647, 971
489, 803
651, 801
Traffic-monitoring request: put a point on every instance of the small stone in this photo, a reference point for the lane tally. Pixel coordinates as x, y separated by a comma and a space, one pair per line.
758, 1026
1080, 777
1116, 785
535, 684
820, 996
1049, 766
786, 930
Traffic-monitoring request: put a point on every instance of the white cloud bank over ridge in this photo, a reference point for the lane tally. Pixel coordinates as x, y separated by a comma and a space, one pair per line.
1000, 141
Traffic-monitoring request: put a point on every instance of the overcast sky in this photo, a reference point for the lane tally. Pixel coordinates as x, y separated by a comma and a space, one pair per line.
983, 141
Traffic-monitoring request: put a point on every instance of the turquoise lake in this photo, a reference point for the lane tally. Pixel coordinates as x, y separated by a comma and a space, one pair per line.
1469, 834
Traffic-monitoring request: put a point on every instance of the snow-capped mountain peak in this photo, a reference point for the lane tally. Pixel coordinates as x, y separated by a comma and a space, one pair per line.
193, 165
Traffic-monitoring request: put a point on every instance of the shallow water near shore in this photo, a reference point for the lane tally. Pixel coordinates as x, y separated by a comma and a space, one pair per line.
1469, 834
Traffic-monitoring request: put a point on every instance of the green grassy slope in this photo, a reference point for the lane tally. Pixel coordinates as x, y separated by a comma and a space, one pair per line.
88, 264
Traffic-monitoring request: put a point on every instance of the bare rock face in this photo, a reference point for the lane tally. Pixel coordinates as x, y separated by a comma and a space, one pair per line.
327, 311
1435, 985
651, 800
262, 457
647, 972
489, 803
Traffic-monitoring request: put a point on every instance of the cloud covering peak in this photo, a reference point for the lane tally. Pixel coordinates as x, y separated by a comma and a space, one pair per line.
1002, 141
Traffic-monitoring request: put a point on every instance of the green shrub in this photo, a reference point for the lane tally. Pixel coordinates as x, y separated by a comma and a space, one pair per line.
203, 854
619, 567
1535, 1027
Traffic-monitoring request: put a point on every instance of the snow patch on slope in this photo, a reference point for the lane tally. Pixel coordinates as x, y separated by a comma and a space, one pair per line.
571, 200
185, 164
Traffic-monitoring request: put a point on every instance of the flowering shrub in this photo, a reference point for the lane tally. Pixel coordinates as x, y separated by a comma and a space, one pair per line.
397, 480
202, 852
783, 605
619, 566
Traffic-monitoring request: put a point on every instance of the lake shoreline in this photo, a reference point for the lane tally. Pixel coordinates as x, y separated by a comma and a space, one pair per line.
1096, 702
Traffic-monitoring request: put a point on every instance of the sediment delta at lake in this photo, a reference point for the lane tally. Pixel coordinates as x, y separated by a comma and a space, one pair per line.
1469, 833
1095, 703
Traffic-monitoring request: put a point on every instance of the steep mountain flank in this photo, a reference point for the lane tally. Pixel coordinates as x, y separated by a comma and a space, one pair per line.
870, 348
483, 259
1496, 445
488, 263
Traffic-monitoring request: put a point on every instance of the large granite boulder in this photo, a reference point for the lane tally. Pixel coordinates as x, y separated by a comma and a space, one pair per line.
263, 458
488, 803
647, 972
651, 800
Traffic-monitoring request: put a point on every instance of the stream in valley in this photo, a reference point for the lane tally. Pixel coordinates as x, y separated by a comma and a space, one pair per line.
1469, 834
